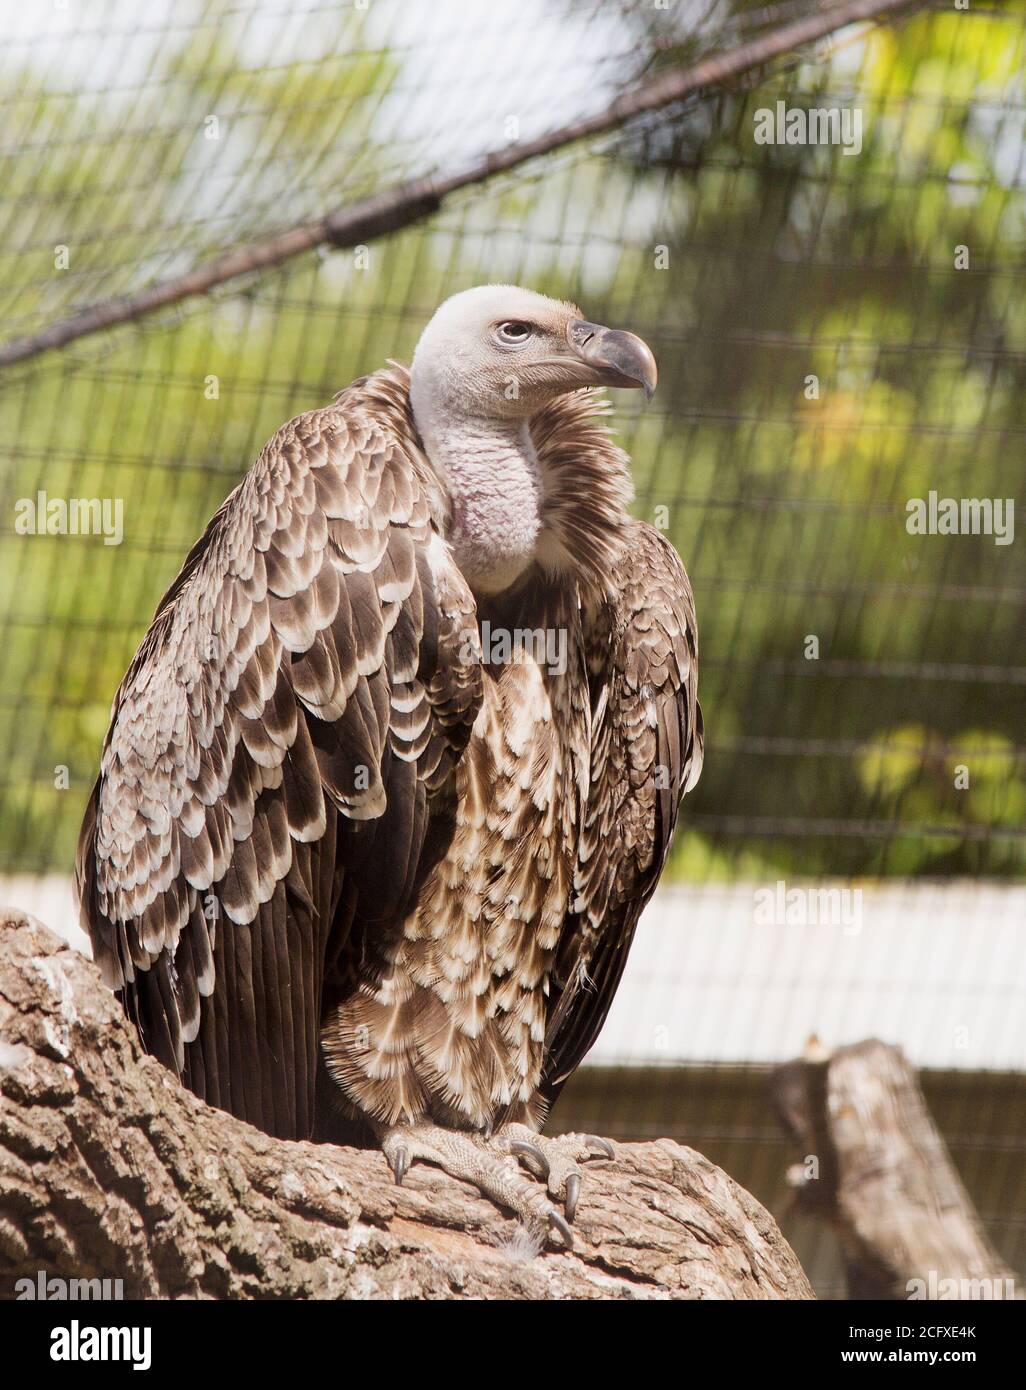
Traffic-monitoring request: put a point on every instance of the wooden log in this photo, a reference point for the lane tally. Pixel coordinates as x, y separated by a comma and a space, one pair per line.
874, 1166
110, 1168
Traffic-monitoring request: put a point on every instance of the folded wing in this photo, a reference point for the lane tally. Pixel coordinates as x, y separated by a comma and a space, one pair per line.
647, 745
279, 748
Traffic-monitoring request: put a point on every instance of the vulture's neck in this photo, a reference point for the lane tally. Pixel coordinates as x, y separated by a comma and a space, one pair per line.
553, 490
490, 469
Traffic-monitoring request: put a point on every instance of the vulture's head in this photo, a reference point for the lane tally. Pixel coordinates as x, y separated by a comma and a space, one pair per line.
499, 352
490, 359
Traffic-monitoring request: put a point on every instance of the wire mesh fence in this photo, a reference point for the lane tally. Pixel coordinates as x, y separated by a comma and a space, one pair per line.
841, 333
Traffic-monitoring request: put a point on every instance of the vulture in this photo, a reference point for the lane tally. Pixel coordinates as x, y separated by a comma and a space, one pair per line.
397, 764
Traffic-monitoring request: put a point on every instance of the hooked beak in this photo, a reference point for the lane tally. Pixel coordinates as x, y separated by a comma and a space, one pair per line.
616, 358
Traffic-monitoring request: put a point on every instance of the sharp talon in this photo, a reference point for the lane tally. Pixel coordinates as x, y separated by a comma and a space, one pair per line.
533, 1154
557, 1222
401, 1166
603, 1145
573, 1192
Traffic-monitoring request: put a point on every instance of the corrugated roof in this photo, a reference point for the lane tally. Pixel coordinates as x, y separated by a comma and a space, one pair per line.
719, 974
938, 968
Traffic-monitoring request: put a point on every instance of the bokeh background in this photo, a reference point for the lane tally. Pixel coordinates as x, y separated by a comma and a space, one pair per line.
149, 139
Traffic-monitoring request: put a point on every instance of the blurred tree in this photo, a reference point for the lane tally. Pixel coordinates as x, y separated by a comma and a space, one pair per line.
822, 361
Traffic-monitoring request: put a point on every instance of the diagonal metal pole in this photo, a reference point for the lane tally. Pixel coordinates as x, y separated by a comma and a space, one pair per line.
405, 203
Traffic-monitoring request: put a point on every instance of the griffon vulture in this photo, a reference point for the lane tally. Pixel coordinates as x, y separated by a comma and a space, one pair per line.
397, 764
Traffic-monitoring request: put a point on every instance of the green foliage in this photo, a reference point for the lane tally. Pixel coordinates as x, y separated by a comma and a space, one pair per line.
783, 263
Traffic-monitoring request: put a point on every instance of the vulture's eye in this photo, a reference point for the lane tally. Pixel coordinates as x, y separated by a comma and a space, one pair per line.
515, 332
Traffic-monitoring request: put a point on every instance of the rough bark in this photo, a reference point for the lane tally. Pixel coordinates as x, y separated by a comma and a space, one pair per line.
110, 1168
883, 1177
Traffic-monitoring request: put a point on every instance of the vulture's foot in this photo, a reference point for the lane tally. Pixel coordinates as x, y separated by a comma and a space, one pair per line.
556, 1162
491, 1165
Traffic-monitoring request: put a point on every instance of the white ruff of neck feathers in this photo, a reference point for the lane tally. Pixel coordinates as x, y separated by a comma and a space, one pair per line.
553, 490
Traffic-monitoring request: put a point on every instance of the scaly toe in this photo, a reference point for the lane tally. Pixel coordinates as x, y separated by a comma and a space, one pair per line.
490, 1164
584, 1147
604, 1147
555, 1160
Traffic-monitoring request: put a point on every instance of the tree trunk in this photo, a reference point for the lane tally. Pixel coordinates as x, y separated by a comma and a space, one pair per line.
876, 1168
110, 1168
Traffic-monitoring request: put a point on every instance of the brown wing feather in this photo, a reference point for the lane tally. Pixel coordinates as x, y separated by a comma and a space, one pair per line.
647, 744
295, 701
